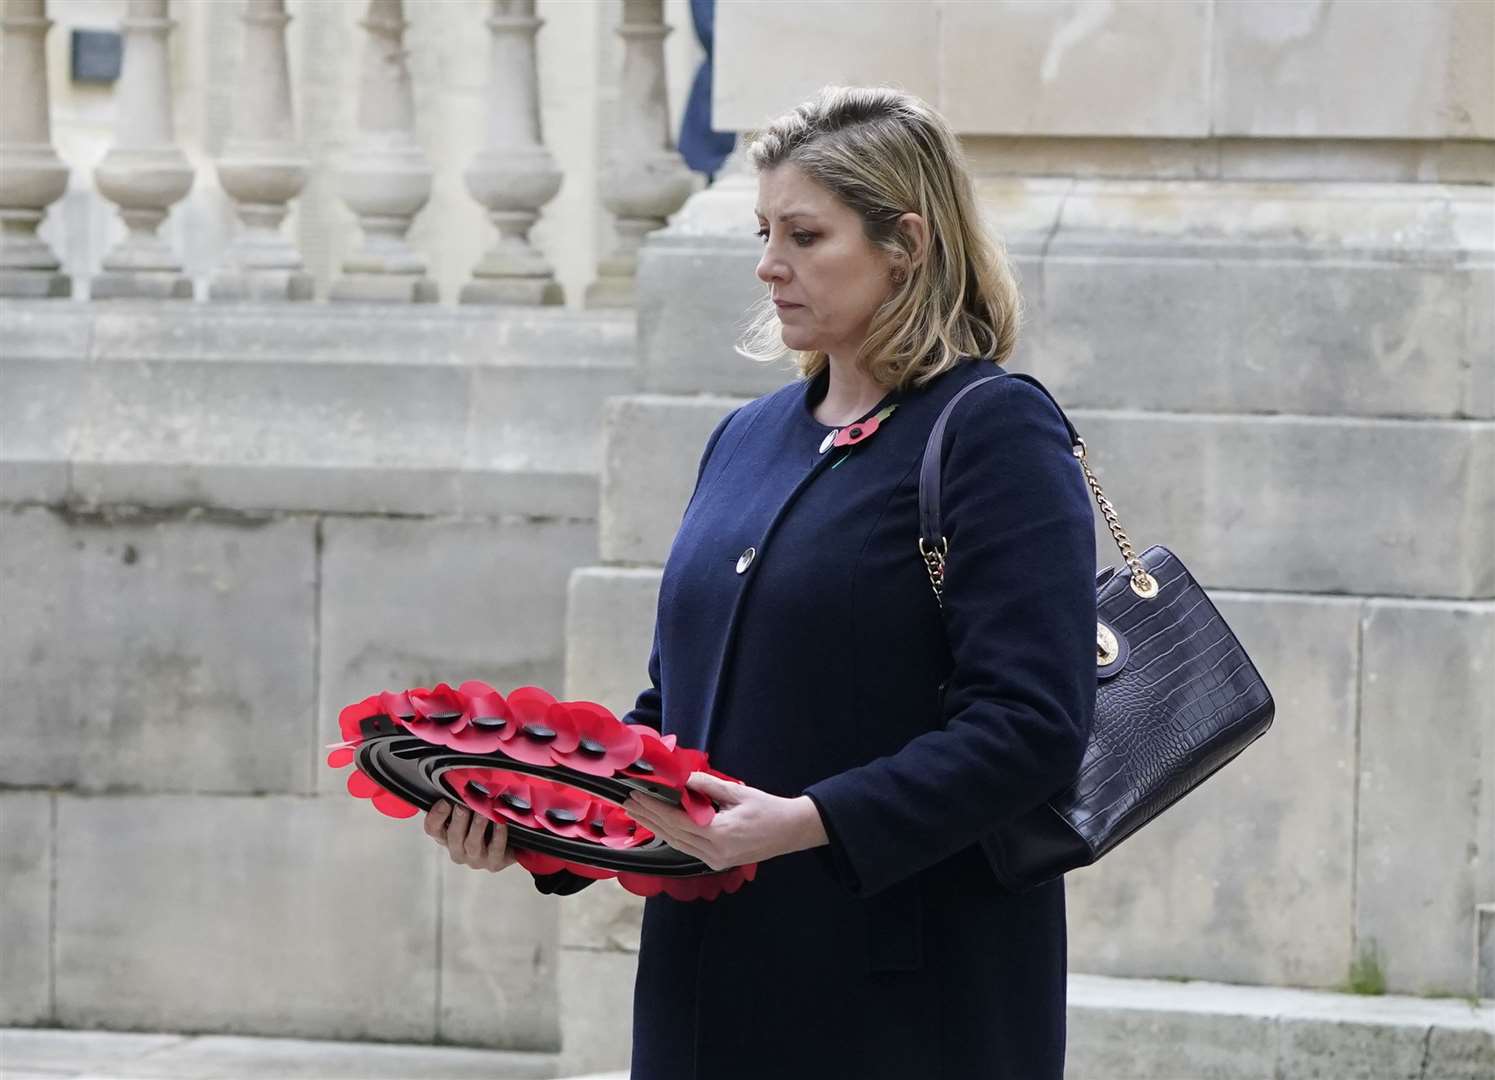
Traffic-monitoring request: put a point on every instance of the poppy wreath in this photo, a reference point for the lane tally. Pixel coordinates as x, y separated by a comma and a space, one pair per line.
555, 773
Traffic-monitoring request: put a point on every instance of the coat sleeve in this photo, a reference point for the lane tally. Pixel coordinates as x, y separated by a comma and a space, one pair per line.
1019, 613
648, 706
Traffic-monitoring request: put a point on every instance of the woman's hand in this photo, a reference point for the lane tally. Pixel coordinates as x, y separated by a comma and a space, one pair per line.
751, 825
464, 835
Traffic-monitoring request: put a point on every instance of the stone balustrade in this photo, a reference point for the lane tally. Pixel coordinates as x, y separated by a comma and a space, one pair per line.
384, 177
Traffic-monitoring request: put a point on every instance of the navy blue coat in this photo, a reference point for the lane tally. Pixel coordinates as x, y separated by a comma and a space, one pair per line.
813, 666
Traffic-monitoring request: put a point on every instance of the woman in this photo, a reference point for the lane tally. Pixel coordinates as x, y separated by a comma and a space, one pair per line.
798, 641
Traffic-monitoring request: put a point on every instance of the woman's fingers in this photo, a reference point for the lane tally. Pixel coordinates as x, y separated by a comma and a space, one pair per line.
436, 820
465, 836
456, 833
498, 855
476, 845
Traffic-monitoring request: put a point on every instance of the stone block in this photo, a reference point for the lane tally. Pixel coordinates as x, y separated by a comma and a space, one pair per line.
1462, 1053
274, 915
1301, 71
1314, 1049
1355, 338
772, 56
1247, 878
413, 603
1425, 723
597, 1024
689, 348
1303, 504
602, 916
610, 614
1124, 70
1148, 1044
251, 407
58, 1052
1121, 1029
654, 448
26, 915
157, 653
498, 960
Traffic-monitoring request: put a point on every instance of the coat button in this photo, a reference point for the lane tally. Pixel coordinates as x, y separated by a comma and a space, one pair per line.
744, 559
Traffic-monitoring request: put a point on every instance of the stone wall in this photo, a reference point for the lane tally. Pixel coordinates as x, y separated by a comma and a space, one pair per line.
218, 525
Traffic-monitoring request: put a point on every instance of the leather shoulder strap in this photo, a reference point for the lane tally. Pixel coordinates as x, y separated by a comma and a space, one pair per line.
929, 468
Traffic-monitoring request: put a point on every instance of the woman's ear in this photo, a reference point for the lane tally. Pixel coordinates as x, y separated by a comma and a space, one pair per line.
917, 230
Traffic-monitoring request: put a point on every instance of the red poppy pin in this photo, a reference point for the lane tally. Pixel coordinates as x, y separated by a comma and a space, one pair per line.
860, 432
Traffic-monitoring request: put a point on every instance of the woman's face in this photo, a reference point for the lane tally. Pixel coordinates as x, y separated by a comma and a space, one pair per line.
818, 258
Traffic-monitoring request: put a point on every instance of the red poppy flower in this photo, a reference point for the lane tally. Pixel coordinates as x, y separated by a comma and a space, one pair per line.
863, 430
363, 786
664, 763
604, 743
697, 887
350, 719
543, 728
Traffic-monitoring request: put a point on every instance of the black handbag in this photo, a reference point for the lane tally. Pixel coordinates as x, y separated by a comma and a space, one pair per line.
1176, 695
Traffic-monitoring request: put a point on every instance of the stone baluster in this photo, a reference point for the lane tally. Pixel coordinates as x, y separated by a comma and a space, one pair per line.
144, 172
514, 175
386, 178
262, 168
32, 177
644, 179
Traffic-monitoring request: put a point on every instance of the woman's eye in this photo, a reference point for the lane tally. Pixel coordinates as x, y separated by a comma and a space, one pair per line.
801, 238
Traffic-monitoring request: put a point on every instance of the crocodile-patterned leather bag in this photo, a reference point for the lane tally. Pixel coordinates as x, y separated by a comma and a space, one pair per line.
1176, 695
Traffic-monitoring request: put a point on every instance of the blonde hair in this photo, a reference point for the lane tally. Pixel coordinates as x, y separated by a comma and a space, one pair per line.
883, 153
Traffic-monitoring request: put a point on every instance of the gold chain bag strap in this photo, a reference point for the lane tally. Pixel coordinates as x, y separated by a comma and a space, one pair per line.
1175, 701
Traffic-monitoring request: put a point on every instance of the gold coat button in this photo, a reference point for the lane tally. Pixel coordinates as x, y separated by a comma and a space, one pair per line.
744, 559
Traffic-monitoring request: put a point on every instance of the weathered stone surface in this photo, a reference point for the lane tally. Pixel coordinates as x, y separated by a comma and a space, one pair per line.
1187, 334
498, 959
1248, 877
1301, 71
1149, 1044
1117, 1027
1127, 70
610, 614
275, 915
1425, 723
597, 1023
1303, 504
248, 407
654, 447
25, 914
57, 1053
163, 654
1150, 294
1484, 951
1344, 1050
602, 916
412, 603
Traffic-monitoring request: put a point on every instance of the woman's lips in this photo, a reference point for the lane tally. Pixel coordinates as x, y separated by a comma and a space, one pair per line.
781, 305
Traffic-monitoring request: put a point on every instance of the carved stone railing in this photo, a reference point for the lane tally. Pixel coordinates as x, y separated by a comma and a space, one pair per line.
385, 178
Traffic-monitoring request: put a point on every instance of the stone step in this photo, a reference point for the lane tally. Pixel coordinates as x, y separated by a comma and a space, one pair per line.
1143, 1029
58, 1053
1118, 1029
307, 408
1331, 505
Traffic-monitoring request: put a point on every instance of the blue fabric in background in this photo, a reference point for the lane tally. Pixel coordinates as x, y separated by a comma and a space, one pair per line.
703, 149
